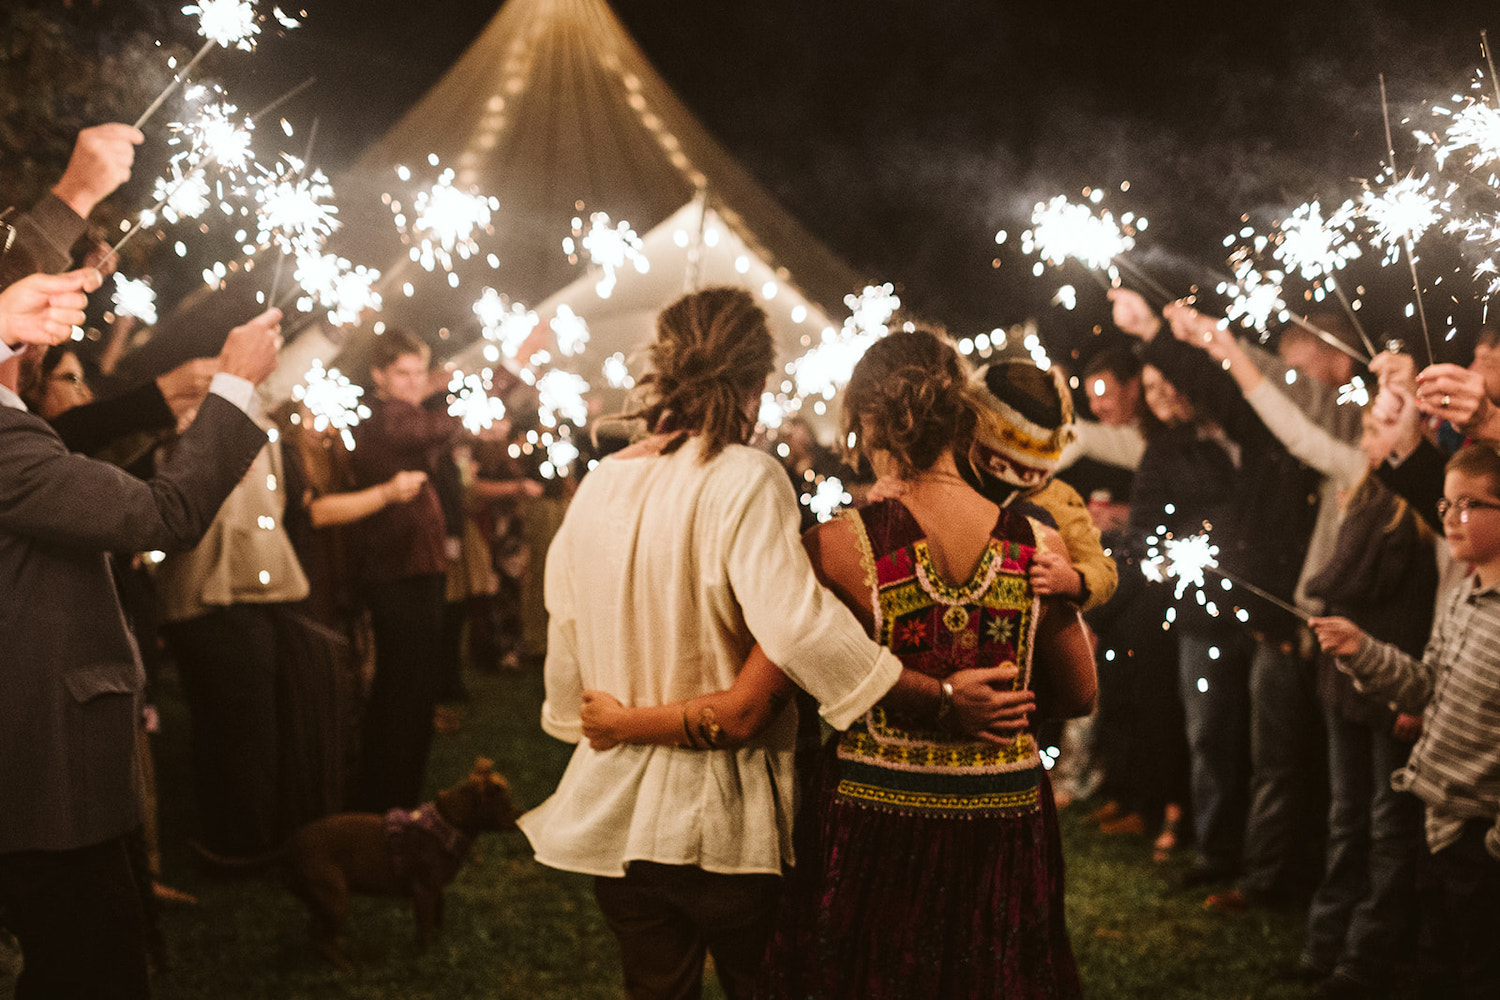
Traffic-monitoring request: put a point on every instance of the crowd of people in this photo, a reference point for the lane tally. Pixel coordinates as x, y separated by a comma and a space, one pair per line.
1317, 723
318, 603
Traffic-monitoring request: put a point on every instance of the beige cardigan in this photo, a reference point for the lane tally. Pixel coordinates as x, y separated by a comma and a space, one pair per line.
246, 556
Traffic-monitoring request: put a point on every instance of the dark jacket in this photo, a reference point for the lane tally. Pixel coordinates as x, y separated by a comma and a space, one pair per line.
1275, 497
69, 667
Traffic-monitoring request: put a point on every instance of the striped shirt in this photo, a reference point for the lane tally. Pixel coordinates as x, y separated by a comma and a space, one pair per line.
1455, 766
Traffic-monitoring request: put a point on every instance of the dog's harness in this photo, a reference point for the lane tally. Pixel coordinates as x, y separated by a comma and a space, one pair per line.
453, 841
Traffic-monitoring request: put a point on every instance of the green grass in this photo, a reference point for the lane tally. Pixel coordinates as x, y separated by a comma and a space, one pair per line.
514, 928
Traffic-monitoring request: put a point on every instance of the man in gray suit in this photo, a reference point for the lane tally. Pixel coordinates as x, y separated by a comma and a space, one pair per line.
71, 674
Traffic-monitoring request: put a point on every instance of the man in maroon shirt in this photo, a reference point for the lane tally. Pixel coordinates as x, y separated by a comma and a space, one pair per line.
401, 569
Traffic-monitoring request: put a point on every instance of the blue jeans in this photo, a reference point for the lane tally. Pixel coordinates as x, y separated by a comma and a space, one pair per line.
1361, 914
1216, 709
1288, 779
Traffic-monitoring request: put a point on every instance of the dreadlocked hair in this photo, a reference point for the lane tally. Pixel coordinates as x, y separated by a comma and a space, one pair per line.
712, 353
910, 395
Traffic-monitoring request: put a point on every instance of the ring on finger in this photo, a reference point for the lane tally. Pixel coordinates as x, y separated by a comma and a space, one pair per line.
1446, 400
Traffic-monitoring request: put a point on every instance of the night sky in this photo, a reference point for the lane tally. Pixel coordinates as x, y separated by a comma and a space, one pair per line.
905, 135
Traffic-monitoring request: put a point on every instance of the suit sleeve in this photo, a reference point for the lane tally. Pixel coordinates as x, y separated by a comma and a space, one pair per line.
49, 494
44, 238
90, 428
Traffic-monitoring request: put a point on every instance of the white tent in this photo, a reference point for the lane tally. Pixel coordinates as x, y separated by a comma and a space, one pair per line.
556, 113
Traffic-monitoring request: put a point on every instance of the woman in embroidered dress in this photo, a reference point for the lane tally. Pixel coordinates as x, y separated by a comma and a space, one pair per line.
930, 863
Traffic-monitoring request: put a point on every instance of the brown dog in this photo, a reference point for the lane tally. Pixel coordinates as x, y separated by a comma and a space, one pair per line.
402, 853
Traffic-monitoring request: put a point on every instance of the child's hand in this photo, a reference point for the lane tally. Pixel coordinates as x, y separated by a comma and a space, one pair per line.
600, 712
1407, 728
1338, 636
1052, 574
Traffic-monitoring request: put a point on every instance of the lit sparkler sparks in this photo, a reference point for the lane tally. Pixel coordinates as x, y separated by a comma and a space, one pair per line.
1254, 297
561, 454
444, 221
219, 132
1316, 247
178, 196
230, 23
773, 411
295, 213
346, 290
1186, 560
1473, 130
1354, 391
560, 397
1061, 229
570, 330
332, 400
134, 298
829, 364
507, 323
609, 247
470, 401
1401, 213
616, 371
828, 497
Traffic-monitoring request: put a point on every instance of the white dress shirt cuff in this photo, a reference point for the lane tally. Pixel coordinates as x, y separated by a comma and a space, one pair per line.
239, 391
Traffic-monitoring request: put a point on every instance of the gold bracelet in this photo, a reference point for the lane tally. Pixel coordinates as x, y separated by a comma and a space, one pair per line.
945, 702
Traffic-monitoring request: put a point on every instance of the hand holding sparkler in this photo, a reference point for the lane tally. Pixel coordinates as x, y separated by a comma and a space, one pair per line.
402, 487
1338, 636
1457, 395
44, 308
1132, 314
249, 351
185, 386
101, 162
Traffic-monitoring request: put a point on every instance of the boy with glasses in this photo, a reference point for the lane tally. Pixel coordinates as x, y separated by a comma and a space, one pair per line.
1455, 766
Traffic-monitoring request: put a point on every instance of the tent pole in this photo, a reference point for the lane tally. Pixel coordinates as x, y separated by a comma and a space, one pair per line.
692, 276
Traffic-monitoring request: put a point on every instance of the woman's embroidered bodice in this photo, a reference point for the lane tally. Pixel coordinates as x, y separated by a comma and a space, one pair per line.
937, 629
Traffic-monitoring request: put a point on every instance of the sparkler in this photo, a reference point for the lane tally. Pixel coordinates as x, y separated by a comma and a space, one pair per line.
294, 214
332, 400
219, 132
444, 221
1318, 248
828, 496
1061, 229
1188, 559
570, 330
609, 247
830, 363
345, 290
230, 23
509, 324
561, 454
617, 372
1407, 215
772, 411
178, 196
470, 401
194, 175
134, 298
560, 395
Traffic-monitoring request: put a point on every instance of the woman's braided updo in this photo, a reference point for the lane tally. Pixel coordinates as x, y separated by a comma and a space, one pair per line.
712, 354
910, 395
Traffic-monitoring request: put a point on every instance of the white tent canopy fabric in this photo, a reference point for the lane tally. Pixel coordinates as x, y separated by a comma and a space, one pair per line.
556, 113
